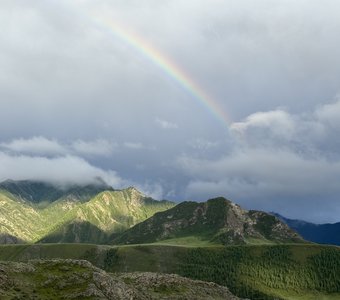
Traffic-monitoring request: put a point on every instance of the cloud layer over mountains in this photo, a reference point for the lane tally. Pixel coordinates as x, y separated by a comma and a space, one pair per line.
78, 101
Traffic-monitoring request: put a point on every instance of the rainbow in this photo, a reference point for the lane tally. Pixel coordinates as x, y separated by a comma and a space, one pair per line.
168, 66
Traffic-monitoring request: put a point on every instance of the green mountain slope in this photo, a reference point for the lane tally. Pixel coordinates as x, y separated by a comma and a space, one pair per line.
216, 221
107, 214
73, 217
18, 219
328, 233
290, 271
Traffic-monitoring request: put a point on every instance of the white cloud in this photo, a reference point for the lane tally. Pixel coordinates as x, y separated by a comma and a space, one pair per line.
59, 170
330, 114
94, 148
279, 122
153, 190
66, 170
132, 145
202, 144
35, 145
282, 168
52, 147
166, 124
316, 130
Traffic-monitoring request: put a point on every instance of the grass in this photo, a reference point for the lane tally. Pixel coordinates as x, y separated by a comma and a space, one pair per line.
50, 280
188, 241
254, 241
290, 271
11, 252
46, 251
306, 295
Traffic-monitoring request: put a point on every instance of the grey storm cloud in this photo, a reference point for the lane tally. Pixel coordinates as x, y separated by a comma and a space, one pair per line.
73, 91
278, 161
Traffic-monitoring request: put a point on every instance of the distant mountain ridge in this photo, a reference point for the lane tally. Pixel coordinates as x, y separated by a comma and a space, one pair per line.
82, 214
217, 220
37, 212
317, 233
37, 191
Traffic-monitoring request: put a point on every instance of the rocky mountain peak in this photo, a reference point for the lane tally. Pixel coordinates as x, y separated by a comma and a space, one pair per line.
134, 190
218, 220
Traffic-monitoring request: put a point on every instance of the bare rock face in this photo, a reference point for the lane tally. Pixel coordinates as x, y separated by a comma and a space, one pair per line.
171, 286
78, 279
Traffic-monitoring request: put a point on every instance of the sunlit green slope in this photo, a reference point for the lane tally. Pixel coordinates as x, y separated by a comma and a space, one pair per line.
77, 216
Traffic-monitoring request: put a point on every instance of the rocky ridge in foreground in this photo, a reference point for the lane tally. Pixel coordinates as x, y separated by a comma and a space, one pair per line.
79, 279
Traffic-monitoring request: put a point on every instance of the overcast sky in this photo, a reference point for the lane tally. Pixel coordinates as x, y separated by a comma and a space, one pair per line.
78, 101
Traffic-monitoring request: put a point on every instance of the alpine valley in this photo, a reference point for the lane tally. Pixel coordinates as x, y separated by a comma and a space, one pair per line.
95, 242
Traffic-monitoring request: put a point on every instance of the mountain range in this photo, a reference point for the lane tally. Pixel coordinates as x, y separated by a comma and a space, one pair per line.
41, 212
38, 212
57, 228
318, 233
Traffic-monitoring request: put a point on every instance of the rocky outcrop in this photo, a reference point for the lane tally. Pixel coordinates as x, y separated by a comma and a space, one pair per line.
217, 220
78, 279
171, 286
